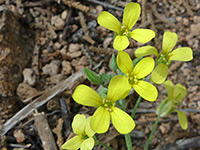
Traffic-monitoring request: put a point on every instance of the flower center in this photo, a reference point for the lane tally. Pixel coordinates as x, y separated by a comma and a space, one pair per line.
84, 137
124, 31
163, 58
133, 79
107, 105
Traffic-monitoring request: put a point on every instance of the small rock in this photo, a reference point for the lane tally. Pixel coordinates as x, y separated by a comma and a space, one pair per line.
54, 79
74, 47
52, 68
146, 105
58, 22
19, 135
67, 68
107, 42
83, 61
179, 18
196, 19
53, 105
185, 21
25, 91
195, 29
29, 76
74, 54
57, 46
64, 14
63, 51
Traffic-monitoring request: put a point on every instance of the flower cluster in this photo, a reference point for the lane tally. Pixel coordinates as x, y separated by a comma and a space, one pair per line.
128, 76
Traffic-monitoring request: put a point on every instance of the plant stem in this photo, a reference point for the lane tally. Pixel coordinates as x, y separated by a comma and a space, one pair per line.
128, 141
106, 146
152, 132
103, 84
136, 106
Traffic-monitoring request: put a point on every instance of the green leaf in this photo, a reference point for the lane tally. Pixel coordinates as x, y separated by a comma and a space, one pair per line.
165, 108
113, 63
106, 77
91, 76
136, 60
103, 92
182, 120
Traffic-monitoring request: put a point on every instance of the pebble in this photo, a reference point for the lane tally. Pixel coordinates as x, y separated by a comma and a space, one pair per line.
52, 68
54, 79
64, 14
25, 91
57, 45
29, 76
58, 22
74, 47
107, 42
19, 135
66, 68
74, 54
195, 29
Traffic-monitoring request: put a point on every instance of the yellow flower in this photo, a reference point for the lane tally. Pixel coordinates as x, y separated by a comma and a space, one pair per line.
106, 110
166, 56
123, 32
84, 134
135, 75
171, 103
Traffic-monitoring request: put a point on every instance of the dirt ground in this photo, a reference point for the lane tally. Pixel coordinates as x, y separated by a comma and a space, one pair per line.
50, 41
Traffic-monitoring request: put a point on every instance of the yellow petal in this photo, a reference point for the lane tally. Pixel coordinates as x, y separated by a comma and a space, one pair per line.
146, 90
146, 50
182, 120
181, 54
100, 120
124, 62
159, 74
131, 14
78, 124
142, 35
74, 143
118, 88
169, 86
120, 43
122, 121
179, 92
87, 144
86, 96
88, 129
108, 21
144, 67
169, 41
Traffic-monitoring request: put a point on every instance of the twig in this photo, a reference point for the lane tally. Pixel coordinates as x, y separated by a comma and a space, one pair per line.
144, 2
45, 97
58, 132
100, 50
76, 5
44, 131
65, 116
105, 5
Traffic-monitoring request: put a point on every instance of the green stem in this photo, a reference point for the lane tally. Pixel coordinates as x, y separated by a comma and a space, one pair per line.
106, 146
128, 141
136, 106
152, 132
103, 84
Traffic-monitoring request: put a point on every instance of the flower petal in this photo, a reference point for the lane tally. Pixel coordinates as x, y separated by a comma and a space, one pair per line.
122, 121
159, 74
86, 96
124, 62
131, 14
181, 54
118, 88
120, 43
74, 143
182, 120
146, 90
88, 129
179, 92
78, 124
100, 121
108, 21
146, 50
169, 86
169, 41
144, 67
142, 35
87, 144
